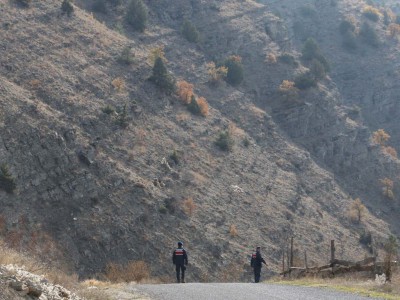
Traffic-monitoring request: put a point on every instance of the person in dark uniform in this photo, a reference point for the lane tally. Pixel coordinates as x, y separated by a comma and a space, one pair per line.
256, 264
180, 260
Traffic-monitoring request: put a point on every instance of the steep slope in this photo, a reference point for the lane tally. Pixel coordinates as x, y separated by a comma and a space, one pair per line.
101, 192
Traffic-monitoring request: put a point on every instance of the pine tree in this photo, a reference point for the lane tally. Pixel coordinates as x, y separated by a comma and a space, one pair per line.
190, 32
137, 15
235, 70
193, 106
161, 77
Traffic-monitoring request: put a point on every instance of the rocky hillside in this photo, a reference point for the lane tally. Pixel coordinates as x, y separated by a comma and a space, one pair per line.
109, 168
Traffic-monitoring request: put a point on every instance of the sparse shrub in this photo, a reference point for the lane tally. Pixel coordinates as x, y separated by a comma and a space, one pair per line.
390, 151
137, 15
24, 3
133, 271
368, 35
193, 106
67, 8
349, 41
108, 109
371, 13
387, 189
305, 81
288, 89
126, 57
308, 11
99, 6
185, 91
288, 59
175, 156
190, 32
246, 142
380, 137
216, 73
162, 210
271, 58
161, 77
268, 30
394, 30
357, 210
157, 52
203, 105
189, 206
346, 26
7, 181
233, 230
235, 70
225, 141
122, 117
391, 247
366, 239
118, 84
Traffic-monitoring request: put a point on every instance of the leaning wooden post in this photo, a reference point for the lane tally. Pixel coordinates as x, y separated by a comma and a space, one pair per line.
305, 260
291, 252
283, 262
332, 251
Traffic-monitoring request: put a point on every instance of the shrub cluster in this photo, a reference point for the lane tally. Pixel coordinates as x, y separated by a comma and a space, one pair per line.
196, 105
67, 8
371, 13
216, 73
288, 59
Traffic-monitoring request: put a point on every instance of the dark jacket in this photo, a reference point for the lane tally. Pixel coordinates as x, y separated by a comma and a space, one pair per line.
179, 257
257, 260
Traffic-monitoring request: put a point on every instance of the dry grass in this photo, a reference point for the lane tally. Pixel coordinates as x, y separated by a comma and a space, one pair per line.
353, 284
189, 206
233, 230
136, 271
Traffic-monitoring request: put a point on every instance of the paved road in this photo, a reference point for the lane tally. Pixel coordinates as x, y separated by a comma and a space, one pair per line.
240, 291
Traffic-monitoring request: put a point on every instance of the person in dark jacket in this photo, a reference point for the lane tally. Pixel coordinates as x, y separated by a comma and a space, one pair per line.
180, 260
256, 264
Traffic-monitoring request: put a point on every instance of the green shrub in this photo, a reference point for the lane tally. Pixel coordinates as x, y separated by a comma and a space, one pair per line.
108, 109
308, 11
246, 142
24, 3
161, 77
305, 81
346, 26
368, 35
288, 59
193, 106
7, 181
126, 57
371, 13
122, 118
137, 15
311, 52
162, 209
175, 156
99, 6
190, 32
235, 70
317, 69
225, 141
67, 8
349, 41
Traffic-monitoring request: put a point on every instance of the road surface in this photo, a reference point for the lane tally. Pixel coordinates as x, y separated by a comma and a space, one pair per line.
240, 291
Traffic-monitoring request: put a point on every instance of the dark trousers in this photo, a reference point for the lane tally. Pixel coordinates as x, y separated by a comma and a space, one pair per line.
180, 268
257, 274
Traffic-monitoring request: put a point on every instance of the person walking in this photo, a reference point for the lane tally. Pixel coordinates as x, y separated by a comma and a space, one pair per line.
256, 264
180, 260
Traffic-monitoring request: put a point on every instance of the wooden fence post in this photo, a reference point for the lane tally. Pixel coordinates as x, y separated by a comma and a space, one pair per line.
305, 260
283, 262
291, 252
332, 251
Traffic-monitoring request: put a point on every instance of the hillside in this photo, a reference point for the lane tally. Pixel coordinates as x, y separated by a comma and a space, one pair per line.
93, 187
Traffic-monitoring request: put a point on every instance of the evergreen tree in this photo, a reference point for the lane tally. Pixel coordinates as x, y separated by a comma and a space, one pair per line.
161, 77
235, 71
7, 181
190, 32
137, 15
